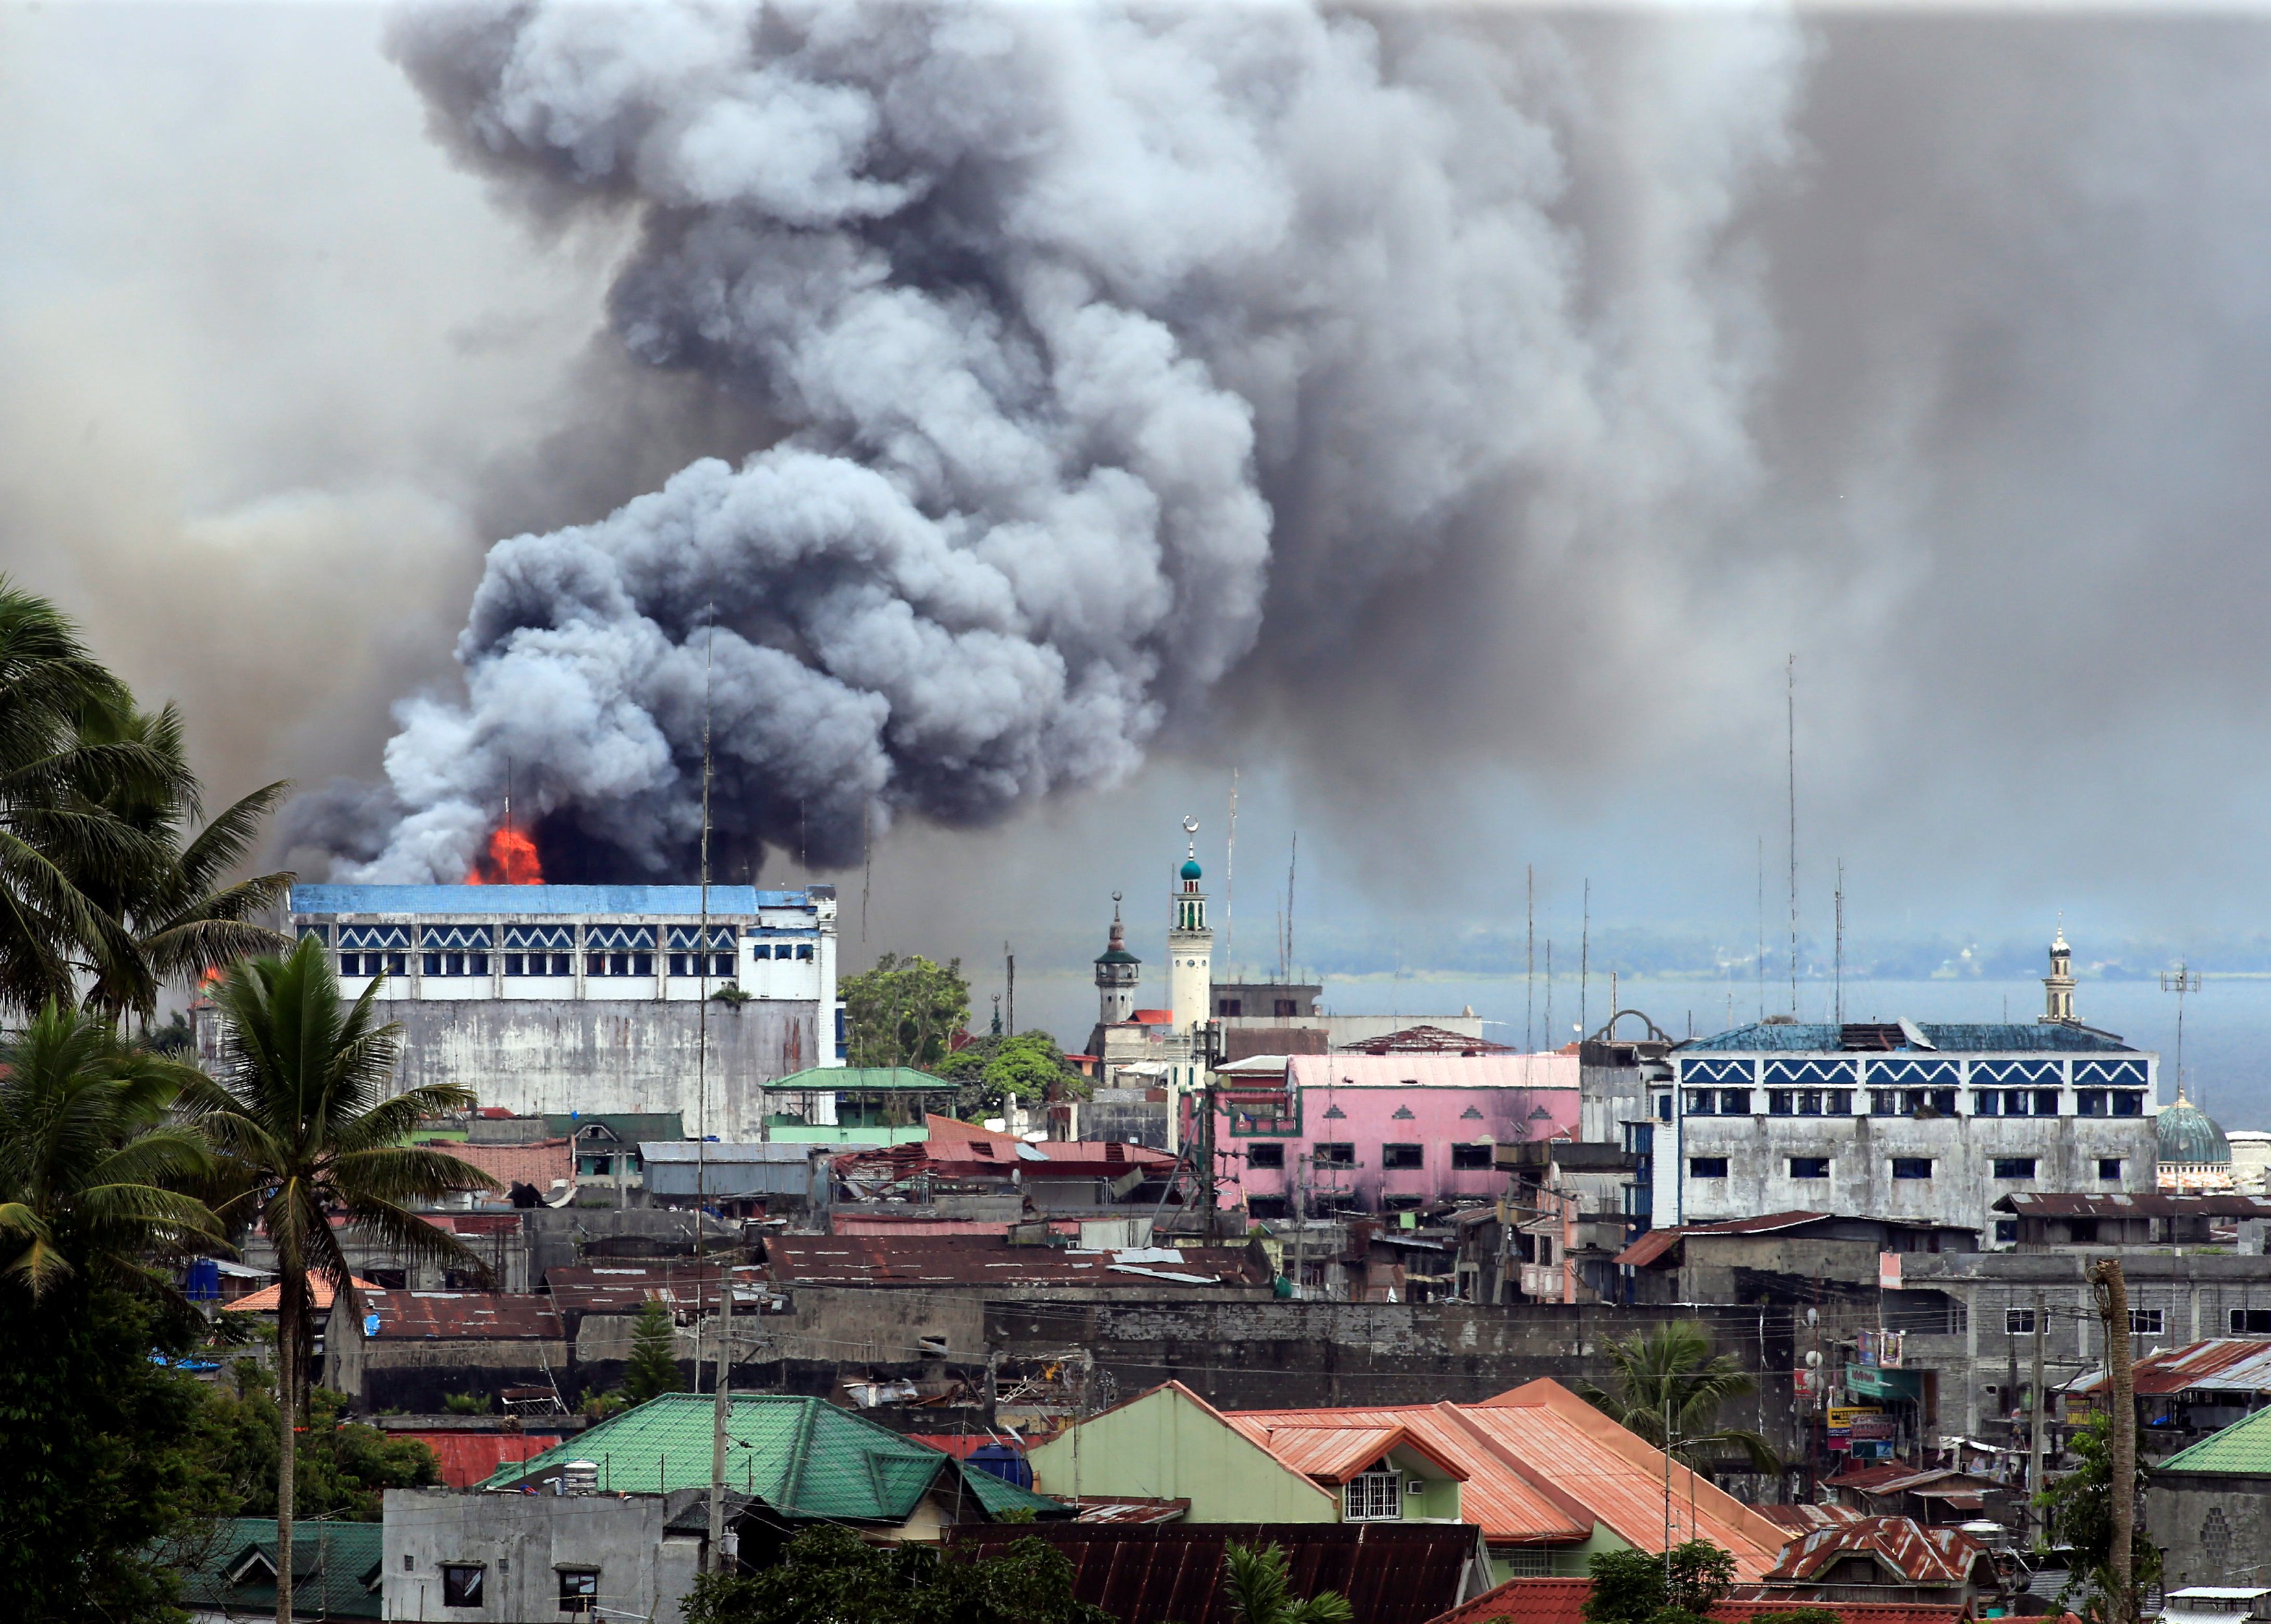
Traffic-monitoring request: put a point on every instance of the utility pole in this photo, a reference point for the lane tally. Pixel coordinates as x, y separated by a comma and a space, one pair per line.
1009, 961
2112, 1294
2034, 1437
1584, 956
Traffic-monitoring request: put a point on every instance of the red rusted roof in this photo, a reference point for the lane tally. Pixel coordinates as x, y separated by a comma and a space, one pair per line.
624, 1288
468, 1459
474, 1223
1392, 1573
1338, 1452
1123, 1509
2221, 1364
544, 1164
1649, 1247
1918, 1554
843, 1223
970, 1259
1805, 1519
264, 1300
1524, 1601
463, 1316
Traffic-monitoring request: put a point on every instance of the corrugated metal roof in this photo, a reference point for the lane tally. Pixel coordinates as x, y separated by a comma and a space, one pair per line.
973, 1260
1562, 1601
2135, 1206
1123, 1510
335, 1569
1918, 1554
804, 1458
1529, 1071
475, 1317
1970, 1038
2244, 1448
624, 1288
1805, 1518
867, 1078
2221, 1365
266, 1298
544, 1164
727, 901
843, 1223
1392, 1573
1337, 1453
469, 1459
675, 1152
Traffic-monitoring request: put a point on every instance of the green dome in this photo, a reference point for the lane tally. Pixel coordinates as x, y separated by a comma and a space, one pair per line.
2190, 1136
1190, 868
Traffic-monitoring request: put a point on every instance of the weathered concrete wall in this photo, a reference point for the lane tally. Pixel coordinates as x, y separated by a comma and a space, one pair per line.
2211, 1528
1275, 1354
535, 1055
522, 1542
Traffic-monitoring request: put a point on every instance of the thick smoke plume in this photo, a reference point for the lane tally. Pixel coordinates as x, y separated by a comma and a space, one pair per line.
1079, 326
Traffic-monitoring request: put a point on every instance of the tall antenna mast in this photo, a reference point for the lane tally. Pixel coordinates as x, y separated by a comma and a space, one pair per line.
1790, 704
1529, 963
1230, 878
1550, 1045
2181, 981
1584, 956
1838, 974
1009, 974
1293, 864
1760, 961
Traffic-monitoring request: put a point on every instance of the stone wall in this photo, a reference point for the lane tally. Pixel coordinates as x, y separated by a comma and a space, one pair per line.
2212, 1529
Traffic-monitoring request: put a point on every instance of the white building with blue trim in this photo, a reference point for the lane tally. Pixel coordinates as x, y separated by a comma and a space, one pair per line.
1924, 1121
592, 998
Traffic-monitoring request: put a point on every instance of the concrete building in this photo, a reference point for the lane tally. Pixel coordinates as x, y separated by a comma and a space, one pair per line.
591, 998
1311, 1134
2194, 1157
1931, 1123
2209, 1510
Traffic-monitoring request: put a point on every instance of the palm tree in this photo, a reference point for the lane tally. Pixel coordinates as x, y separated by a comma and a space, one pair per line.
53, 824
302, 1119
90, 1168
1671, 1373
173, 900
1260, 1591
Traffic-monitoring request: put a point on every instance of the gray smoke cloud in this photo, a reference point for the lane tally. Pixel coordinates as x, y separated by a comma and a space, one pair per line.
1104, 344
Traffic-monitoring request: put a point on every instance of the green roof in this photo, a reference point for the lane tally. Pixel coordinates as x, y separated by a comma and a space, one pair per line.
805, 1457
2243, 1447
334, 1576
873, 1078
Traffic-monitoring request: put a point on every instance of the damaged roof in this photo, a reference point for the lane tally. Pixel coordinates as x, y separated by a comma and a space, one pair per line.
464, 1316
1918, 1554
2219, 1365
982, 1259
1970, 1038
624, 1287
2048, 1206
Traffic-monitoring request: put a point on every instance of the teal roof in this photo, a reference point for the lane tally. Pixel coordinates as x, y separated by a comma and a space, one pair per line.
804, 1458
1190, 868
335, 1573
870, 1078
2189, 1135
2243, 1447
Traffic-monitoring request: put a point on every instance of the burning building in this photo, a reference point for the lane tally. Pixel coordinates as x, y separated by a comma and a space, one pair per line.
593, 998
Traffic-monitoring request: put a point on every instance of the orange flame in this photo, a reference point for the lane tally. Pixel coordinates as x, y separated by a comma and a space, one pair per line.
510, 859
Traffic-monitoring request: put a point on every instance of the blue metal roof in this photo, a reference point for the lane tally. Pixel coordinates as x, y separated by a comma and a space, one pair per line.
1976, 1037
613, 899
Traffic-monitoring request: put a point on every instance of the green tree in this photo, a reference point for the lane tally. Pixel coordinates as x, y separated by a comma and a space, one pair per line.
2079, 1511
903, 1011
1629, 1586
652, 1367
169, 891
53, 823
833, 1575
1671, 1374
307, 1130
341, 1468
1260, 1590
107, 1451
991, 1071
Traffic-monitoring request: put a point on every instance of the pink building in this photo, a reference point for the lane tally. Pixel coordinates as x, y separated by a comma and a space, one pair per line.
1382, 1133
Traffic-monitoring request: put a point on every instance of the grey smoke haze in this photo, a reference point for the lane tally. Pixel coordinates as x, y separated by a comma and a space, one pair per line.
1086, 329
1956, 387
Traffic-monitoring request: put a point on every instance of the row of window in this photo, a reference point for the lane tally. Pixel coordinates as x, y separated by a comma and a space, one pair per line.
1903, 1102
722, 964
464, 1584
1395, 1158
2108, 1168
2142, 1321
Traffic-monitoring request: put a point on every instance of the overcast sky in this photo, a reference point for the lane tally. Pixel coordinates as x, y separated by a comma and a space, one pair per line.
274, 372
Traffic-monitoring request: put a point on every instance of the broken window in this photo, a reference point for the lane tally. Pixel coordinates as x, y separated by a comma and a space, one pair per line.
461, 1585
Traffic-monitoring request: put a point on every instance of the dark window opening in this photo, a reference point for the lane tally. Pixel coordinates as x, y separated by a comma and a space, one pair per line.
579, 1590
2015, 1167
1472, 1157
461, 1585
2252, 1322
1401, 1156
804, 949
397, 964
1271, 1156
1282, 1007
1707, 1166
1700, 1102
1734, 1102
515, 962
2018, 1322
2090, 1102
1334, 1153
1232, 1007
433, 965
1400, 1203
1809, 1166
1265, 1206
1840, 1102
2128, 1104
1912, 1166
2006, 1231
2108, 1168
